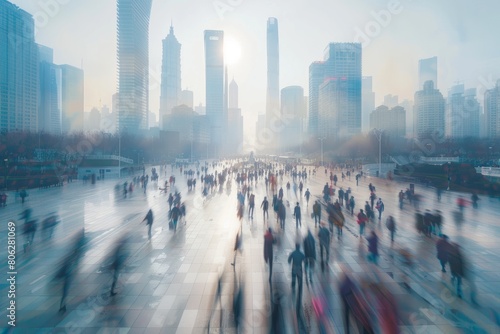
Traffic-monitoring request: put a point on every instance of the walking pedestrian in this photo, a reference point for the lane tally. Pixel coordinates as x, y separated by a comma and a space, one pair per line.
310, 253
324, 244
391, 226
296, 258
372, 247
380, 208
268, 250
352, 203
297, 215
443, 251
307, 194
316, 213
119, 257
175, 213
281, 214
149, 222
251, 205
265, 208
362, 219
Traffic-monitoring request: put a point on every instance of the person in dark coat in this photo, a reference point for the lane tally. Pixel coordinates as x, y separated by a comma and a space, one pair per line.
391, 226
443, 250
324, 243
298, 216
317, 213
149, 221
282, 214
296, 258
310, 253
373, 247
268, 251
457, 267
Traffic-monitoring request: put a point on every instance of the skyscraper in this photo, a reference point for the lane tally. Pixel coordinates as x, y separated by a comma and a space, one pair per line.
187, 98
492, 111
170, 75
233, 94
293, 112
316, 77
235, 121
462, 113
72, 95
429, 111
368, 97
427, 71
49, 99
214, 86
19, 75
133, 64
273, 86
340, 93
392, 121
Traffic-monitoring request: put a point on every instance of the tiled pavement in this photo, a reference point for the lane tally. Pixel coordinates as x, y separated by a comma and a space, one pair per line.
168, 285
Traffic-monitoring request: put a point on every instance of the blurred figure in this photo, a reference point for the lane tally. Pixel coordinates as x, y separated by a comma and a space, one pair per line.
70, 266
149, 221
268, 251
296, 258
380, 208
298, 216
310, 253
373, 247
443, 251
119, 257
474, 199
354, 303
265, 208
49, 224
362, 219
391, 226
317, 213
457, 267
324, 244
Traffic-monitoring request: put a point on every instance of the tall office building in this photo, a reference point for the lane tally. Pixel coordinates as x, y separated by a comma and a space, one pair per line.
235, 121
293, 112
427, 71
368, 104
214, 86
72, 95
49, 102
391, 121
340, 93
462, 113
19, 75
170, 75
429, 111
133, 64
391, 101
273, 86
233, 94
492, 111
316, 78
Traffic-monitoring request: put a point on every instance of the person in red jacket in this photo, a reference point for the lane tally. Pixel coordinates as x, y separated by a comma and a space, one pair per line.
362, 219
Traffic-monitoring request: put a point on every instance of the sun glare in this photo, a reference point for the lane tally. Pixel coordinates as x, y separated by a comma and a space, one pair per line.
232, 51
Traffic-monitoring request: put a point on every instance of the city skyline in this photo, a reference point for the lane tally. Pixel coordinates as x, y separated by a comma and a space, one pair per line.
458, 43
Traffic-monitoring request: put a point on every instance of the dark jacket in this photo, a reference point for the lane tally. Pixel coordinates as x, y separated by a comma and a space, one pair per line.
373, 244
268, 246
310, 246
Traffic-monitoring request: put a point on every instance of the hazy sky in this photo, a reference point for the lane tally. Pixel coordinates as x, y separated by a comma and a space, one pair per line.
461, 33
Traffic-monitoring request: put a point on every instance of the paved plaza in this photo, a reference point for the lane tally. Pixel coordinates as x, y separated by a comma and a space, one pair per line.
169, 283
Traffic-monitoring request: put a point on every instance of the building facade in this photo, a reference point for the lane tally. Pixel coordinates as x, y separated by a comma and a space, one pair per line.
49, 99
293, 113
273, 85
462, 113
391, 121
170, 75
19, 73
133, 64
340, 96
368, 104
316, 78
492, 111
429, 112
214, 87
72, 98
